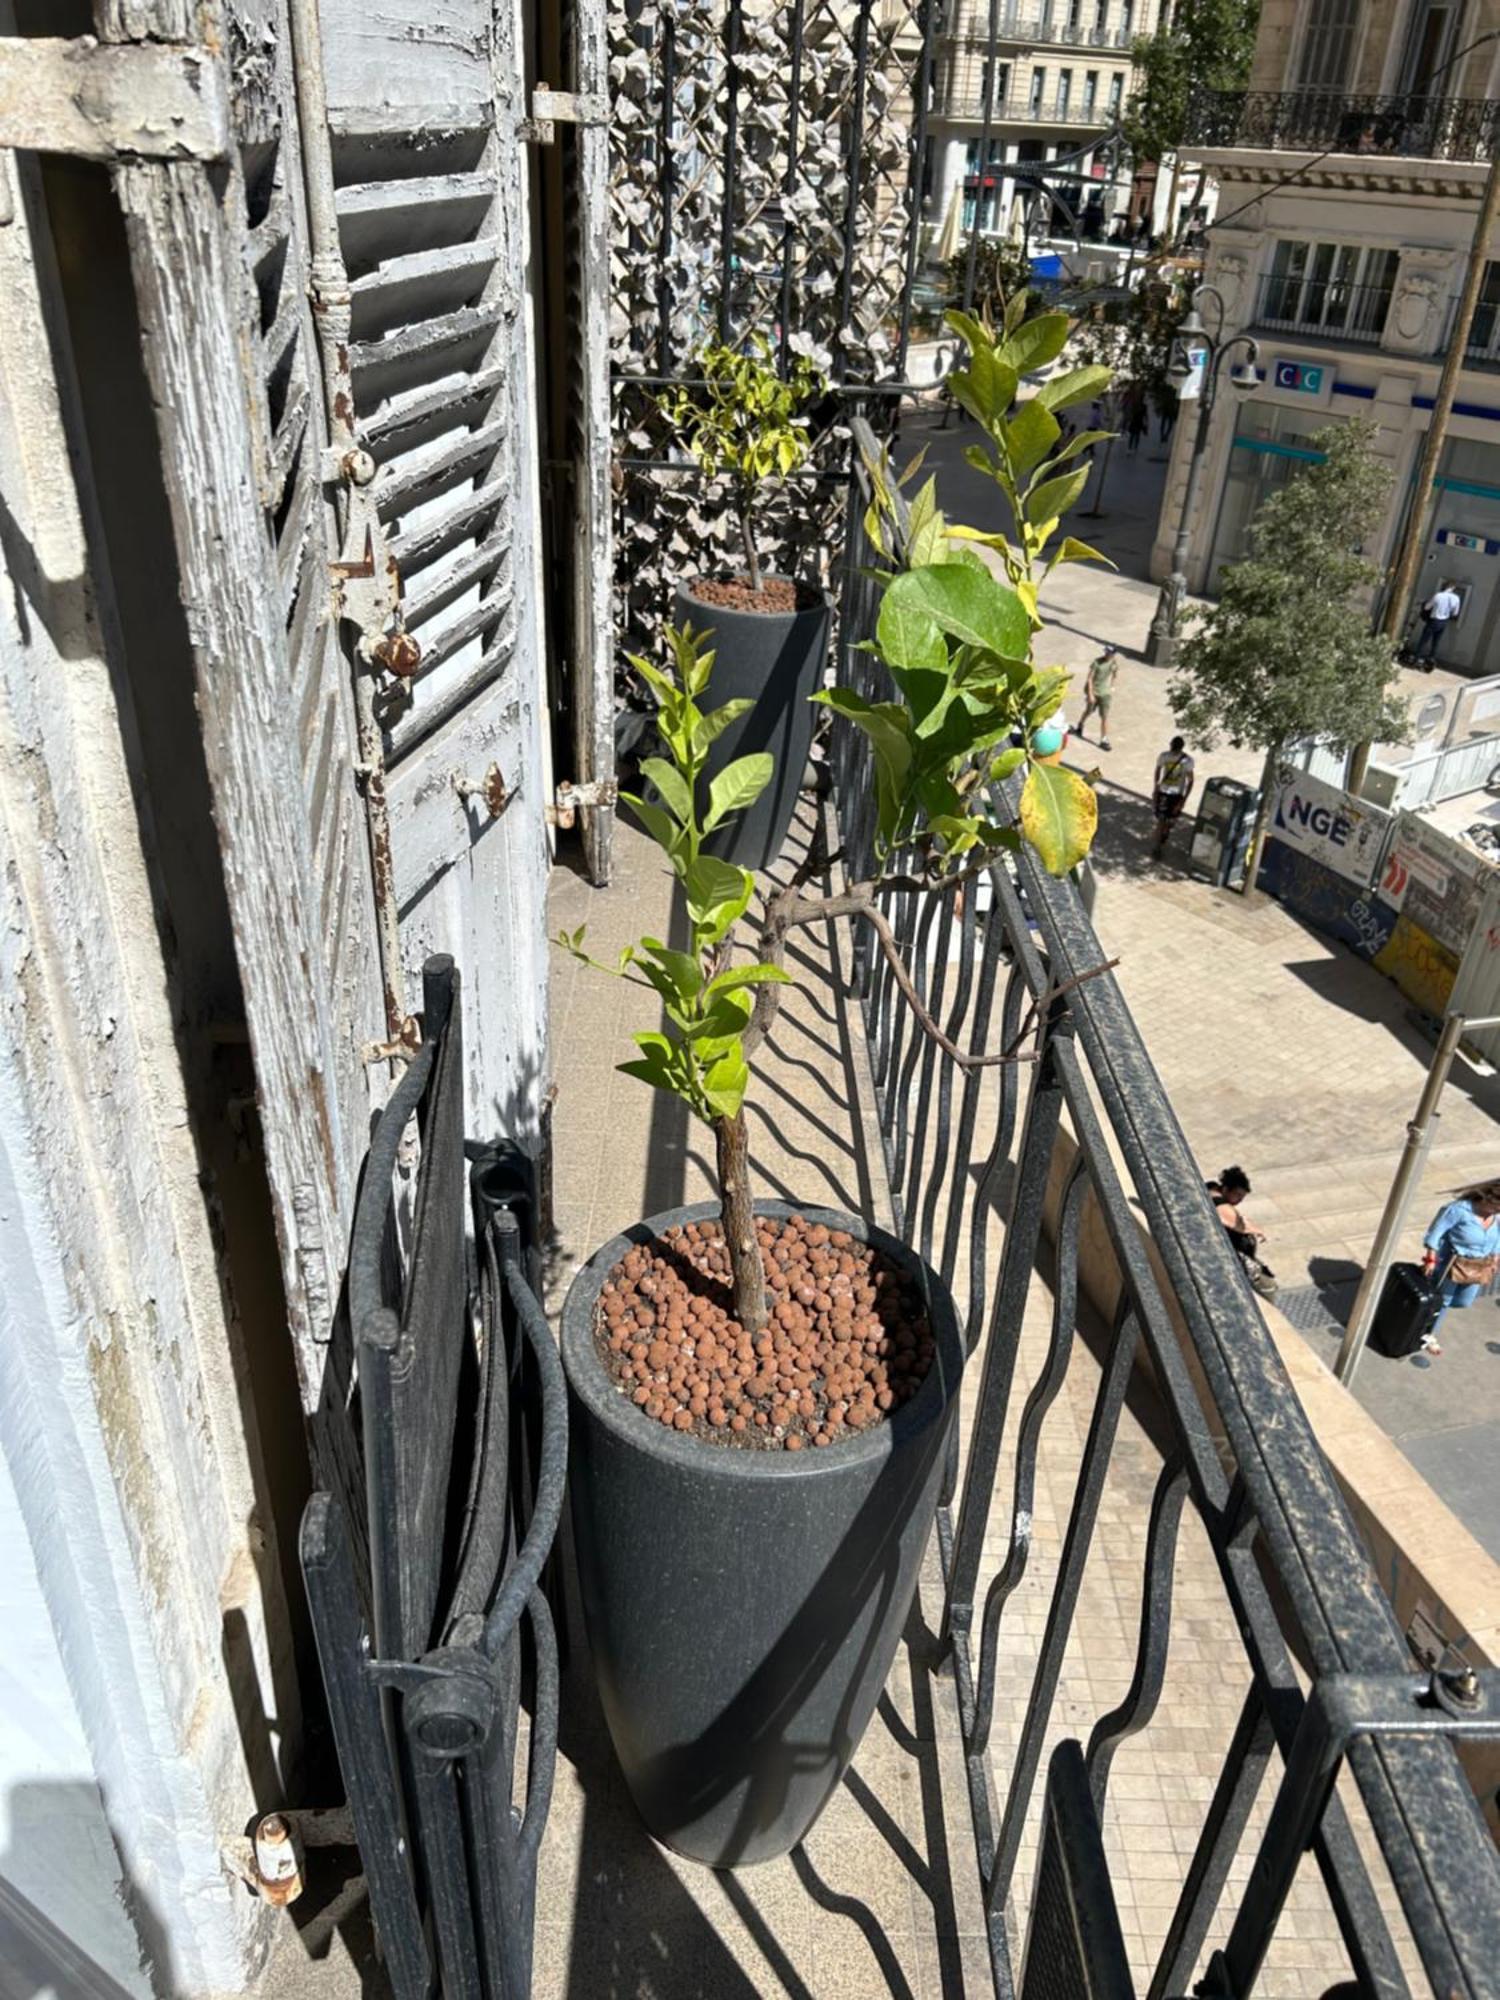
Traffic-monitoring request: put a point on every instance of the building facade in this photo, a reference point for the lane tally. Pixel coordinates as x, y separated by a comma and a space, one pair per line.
1351, 173
1056, 82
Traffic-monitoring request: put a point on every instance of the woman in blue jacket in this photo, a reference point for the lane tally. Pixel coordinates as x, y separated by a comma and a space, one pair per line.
1468, 1229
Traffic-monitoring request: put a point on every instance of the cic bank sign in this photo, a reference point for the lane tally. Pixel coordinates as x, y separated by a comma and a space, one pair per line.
1325, 824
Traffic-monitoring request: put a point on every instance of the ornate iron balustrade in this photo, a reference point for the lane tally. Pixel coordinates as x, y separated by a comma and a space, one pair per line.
1288, 1556
1318, 121
1327, 308
1021, 111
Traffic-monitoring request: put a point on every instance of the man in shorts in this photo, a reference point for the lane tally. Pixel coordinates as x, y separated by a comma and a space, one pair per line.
1171, 789
1099, 692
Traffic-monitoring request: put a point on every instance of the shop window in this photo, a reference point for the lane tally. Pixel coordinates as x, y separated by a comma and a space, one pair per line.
1270, 447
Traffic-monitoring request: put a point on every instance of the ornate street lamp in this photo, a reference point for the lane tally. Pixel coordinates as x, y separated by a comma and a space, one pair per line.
1161, 643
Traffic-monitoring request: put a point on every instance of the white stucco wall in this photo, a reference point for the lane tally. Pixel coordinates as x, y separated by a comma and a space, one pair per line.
58, 1862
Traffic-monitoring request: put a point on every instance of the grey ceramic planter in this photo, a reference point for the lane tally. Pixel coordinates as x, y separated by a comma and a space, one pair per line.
744, 1607
774, 659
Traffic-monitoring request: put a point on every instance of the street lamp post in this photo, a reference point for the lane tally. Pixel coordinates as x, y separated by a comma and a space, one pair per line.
1161, 643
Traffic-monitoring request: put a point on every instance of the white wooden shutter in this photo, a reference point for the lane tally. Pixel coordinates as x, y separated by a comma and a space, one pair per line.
425, 105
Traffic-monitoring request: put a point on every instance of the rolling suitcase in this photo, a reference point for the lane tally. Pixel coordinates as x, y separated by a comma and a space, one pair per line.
1410, 1302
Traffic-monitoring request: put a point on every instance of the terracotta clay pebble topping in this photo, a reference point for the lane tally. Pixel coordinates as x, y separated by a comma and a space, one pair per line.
737, 593
847, 1341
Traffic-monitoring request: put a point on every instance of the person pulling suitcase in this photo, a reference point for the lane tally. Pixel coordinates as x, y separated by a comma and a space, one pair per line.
1461, 1252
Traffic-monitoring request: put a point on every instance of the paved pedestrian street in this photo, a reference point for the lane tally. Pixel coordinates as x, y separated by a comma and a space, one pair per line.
1280, 1050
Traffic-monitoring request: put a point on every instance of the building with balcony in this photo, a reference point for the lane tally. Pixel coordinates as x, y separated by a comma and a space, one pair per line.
1055, 80
1351, 172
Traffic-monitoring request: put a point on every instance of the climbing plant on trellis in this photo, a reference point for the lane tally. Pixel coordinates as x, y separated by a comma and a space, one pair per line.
763, 177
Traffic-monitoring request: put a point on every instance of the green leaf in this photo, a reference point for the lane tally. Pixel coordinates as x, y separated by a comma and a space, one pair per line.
652, 1073
981, 458
660, 684
1029, 436
1080, 441
725, 1084
684, 971
738, 785
1005, 763
907, 636
672, 785
1053, 498
968, 327
750, 975
969, 604
1036, 343
718, 895
889, 727
1078, 385
663, 830
1059, 815
709, 728
1072, 550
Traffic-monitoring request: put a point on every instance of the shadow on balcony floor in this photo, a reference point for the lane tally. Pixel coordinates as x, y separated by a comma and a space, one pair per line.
883, 1898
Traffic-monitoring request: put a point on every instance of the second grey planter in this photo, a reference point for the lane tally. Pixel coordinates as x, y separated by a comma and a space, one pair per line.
744, 1607
774, 659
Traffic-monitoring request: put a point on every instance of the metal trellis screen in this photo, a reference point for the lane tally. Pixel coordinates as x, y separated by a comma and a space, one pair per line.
1084, 1129
765, 177
421, 1606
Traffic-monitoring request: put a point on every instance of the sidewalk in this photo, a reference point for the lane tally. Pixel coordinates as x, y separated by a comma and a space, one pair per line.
1280, 1050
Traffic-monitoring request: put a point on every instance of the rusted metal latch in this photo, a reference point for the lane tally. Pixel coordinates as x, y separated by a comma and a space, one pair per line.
115, 101
565, 807
491, 791
366, 581
550, 108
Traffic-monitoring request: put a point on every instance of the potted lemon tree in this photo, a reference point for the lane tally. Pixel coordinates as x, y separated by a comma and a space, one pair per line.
762, 1391
744, 422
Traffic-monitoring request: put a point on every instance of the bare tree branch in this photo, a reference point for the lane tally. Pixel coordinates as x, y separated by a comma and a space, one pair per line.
788, 910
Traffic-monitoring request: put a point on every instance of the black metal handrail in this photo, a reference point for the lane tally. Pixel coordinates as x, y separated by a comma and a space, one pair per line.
1292, 1566
1400, 127
1327, 307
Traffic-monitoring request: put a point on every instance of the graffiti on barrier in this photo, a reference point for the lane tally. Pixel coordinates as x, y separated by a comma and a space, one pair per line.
1326, 899
1424, 969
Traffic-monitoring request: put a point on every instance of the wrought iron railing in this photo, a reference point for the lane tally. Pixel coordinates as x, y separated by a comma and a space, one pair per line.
1321, 121
968, 102
427, 1608
1289, 1559
1325, 306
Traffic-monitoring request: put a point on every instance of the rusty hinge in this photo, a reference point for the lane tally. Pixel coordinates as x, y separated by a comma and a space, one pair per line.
565, 807
562, 107
116, 101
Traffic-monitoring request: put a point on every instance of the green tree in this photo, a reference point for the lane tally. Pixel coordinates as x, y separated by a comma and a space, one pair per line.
1287, 651
1198, 44
742, 419
1133, 337
1002, 272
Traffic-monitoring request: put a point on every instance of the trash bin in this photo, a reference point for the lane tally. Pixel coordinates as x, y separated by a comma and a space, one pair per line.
1221, 832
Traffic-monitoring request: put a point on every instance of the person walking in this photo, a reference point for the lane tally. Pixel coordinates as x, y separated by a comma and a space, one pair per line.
1171, 789
1438, 613
1462, 1251
1099, 692
1135, 420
